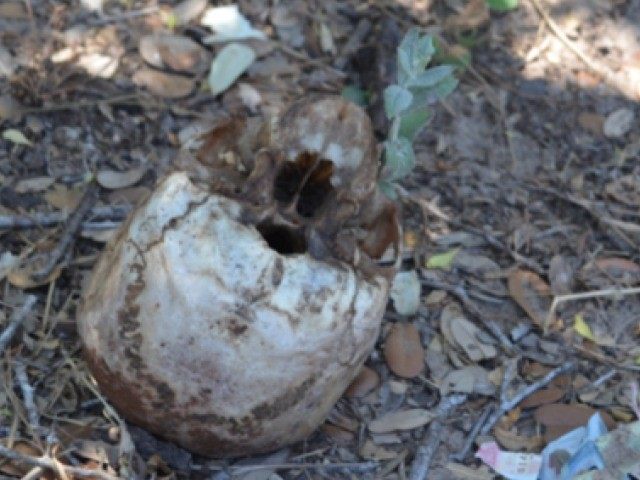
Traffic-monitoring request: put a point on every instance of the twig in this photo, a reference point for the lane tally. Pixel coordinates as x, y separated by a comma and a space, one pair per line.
473, 434
599, 69
599, 381
605, 292
507, 405
143, 12
27, 397
426, 450
16, 320
113, 213
71, 228
49, 463
351, 467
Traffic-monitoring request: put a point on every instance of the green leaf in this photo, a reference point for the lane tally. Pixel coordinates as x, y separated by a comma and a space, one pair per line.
502, 5
355, 95
442, 260
413, 121
399, 159
582, 328
16, 136
431, 76
229, 64
430, 95
414, 53
396, 100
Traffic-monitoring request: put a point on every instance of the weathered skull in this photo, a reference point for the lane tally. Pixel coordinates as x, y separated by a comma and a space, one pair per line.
239, 301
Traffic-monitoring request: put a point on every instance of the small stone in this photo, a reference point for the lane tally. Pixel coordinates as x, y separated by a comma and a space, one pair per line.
618, 123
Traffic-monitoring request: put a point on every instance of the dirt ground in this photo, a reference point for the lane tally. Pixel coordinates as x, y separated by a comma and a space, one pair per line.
528, 177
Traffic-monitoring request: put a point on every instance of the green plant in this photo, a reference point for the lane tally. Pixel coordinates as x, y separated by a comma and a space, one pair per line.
407, 104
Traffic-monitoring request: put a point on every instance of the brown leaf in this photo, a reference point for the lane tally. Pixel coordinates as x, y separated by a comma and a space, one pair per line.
337, 434
531, 293
591, 122
63, 198
473, 15
367, 380
560, 418
542, 397
403, 350
163, 84
176, 52
605, 271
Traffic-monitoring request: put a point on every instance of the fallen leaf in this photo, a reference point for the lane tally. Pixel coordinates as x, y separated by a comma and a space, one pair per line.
8, 262
543, 397
366, 381
35, 184
163, 84
176, 52
98, 65
130, 195
371, 451
113, 179
16, 136
467, 335
618, 123
591, 122
610, 270
403, 350
405, 292
231, 62
561, 275
559, 418
442, 260
532, 294
228, 24
401, 420
582, 328
473, 15
471, 379
63, 198
339, 435
625, 189
188, 10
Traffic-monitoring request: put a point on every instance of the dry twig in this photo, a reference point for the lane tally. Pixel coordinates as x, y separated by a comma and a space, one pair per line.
113, 213
508, 404
433, 437
16, 320
27, 397
48, 463
473, 434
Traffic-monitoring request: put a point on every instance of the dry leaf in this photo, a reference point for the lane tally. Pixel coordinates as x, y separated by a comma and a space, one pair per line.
367, 380
561, 275
543, 397
163, 84
618, 123
471, 379
467, 335
604, 272
559, 418
532, 294
112, 179
473, 15
371, 451
35, 184
625, 189
403, 350
63, 198
591, 122
405, 292
337, 434
401, 420
98, 65
129, 195
177, 52
23, 276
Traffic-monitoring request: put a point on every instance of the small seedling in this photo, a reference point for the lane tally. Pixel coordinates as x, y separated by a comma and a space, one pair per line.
407, 104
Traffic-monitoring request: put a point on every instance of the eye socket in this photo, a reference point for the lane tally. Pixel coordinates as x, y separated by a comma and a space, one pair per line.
316, 175
282, 239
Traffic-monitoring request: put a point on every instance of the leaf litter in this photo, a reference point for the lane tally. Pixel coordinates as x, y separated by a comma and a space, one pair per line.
558, 225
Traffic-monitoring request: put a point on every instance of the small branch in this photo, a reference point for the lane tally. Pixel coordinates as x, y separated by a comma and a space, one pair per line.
350, 467
507, 405
71, 228
115, 213
54, 465
16, 320
473, 434
606, 292
433, 437
27, 397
